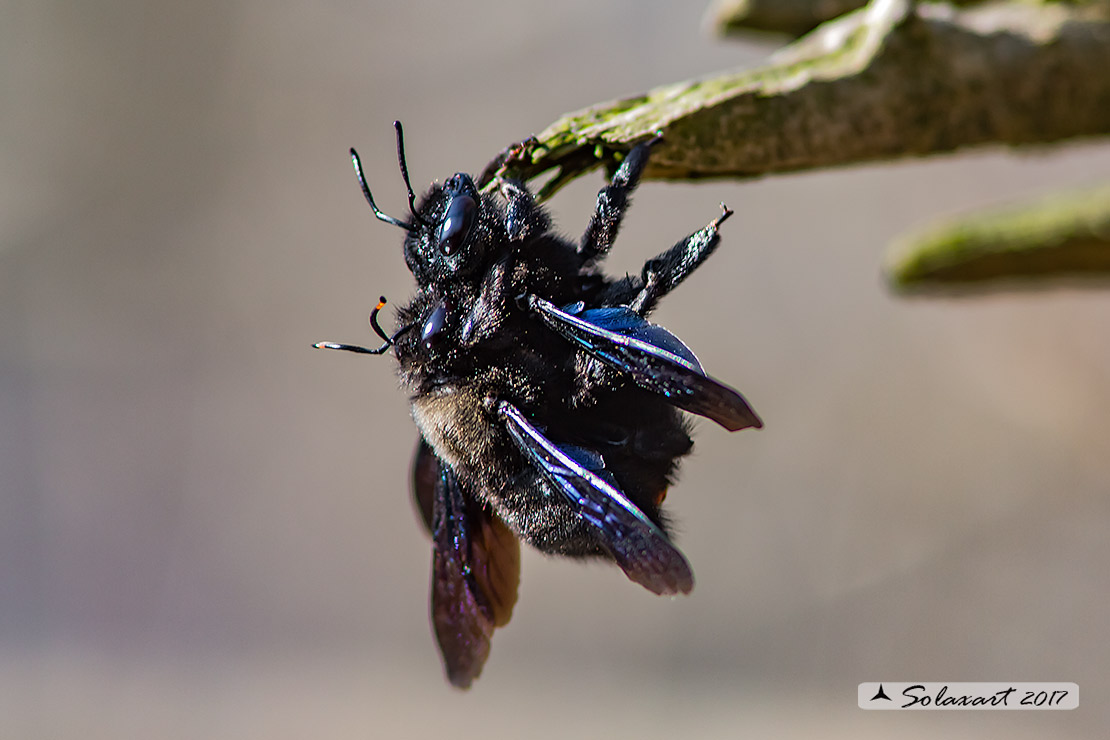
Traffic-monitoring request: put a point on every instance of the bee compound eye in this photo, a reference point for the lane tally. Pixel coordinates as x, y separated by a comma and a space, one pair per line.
434, 325
457, 223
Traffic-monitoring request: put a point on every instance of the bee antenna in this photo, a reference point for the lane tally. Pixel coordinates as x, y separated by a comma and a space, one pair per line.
405, 171
370, 198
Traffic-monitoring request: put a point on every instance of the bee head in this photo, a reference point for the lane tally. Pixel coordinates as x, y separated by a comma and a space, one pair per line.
453, 229
449, 232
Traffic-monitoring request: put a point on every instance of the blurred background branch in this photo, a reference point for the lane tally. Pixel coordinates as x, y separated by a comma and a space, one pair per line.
1064, 235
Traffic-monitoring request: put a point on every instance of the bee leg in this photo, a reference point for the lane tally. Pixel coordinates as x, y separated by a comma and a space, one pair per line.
612, 201
663, 273
523, 217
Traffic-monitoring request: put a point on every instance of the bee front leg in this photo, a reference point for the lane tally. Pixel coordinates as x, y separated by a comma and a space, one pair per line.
523, 217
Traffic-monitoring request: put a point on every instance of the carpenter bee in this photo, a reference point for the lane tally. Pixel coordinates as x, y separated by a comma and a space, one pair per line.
549, 407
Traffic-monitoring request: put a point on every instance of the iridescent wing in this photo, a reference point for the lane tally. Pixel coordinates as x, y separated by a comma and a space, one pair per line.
637, 544
425, 477
651, 356
475, 568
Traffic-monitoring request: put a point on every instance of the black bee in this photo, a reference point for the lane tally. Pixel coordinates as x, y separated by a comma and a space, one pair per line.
548, 405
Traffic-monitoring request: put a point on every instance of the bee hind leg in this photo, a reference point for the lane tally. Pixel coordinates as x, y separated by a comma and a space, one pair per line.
664, 272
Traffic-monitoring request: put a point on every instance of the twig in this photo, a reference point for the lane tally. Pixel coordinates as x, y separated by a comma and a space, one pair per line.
891, 80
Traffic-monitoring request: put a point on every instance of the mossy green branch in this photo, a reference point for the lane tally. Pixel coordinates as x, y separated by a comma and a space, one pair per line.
890, 80
1067, 235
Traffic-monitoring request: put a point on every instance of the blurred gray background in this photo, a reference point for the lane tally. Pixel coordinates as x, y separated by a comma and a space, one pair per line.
205, 527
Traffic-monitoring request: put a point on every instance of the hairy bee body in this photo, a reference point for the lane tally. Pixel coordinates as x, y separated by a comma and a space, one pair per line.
495, 351
549, 407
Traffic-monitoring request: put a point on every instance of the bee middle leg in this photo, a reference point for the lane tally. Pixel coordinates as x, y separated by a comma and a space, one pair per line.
612, 201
